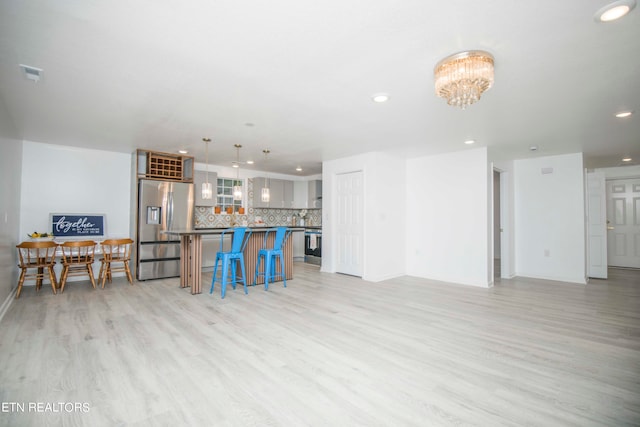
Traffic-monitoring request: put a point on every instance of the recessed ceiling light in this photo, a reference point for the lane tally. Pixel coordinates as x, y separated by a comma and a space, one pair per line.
182, 151
249, 162
299, 169
615, 10
470, 141
626, 159
380, 97
623, 114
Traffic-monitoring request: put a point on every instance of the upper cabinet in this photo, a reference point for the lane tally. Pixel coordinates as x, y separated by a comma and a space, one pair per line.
314, 194
280, 193
198, 179
300, 194
164, 166
258, 185
288, 194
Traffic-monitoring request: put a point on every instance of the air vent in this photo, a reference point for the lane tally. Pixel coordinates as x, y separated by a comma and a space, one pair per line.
31, 73
546, 171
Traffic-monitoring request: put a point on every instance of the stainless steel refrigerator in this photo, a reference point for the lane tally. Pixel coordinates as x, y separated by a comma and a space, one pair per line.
162, 206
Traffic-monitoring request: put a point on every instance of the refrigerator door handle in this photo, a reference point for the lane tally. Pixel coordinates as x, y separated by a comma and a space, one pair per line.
170, 210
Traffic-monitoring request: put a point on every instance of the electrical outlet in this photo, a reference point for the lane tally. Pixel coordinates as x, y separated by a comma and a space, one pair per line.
547, 253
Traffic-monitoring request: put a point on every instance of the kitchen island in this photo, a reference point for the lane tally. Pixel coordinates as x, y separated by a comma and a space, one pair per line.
191, 254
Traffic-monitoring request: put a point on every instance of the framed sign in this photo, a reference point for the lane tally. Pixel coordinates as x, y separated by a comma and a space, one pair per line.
78, 225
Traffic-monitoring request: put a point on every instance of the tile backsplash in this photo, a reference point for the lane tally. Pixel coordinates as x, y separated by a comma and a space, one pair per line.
206, 218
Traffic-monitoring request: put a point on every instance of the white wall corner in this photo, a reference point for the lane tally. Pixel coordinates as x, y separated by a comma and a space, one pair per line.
550, 240
448, 213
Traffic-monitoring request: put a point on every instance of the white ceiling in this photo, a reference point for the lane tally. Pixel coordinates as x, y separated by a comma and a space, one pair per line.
120, 75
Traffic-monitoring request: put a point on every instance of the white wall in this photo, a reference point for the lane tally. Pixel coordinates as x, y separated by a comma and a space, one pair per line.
447, 217
10, 171
385, 238
60, 179
550, 218
384, 220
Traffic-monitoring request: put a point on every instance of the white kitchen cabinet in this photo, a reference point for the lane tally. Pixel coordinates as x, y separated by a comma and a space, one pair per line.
258, 185
287, 194
277, 193
300, 194
298, 245
198, 178
314, 198
280, 193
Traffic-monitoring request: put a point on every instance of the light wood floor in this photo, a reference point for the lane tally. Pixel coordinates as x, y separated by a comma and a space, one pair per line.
328, 350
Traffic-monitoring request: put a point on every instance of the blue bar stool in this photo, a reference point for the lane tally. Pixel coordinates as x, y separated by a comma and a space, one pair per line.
230, 259
269, 255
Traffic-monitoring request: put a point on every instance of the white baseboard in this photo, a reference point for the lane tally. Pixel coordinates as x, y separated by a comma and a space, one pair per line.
578, 280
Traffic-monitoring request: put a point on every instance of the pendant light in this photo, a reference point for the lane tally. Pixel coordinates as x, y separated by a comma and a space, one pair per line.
207, 188
237, 189
266, 194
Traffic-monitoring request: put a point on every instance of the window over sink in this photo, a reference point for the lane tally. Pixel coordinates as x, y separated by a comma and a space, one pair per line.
225, 193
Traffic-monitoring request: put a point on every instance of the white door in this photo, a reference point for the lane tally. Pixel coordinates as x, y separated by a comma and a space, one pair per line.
597, 225
497, 228
349, 227
623, 213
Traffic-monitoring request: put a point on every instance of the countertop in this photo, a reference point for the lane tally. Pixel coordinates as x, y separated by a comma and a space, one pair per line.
219, 230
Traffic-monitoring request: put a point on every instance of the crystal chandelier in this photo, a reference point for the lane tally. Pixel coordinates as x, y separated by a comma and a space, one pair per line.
462, 78
237, 189
207, 188
266, 193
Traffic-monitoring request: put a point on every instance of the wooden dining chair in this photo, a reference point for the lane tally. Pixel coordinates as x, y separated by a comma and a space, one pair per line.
77, 260
116, 251
36, 262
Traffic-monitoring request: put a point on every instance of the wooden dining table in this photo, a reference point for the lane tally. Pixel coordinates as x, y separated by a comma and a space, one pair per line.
191, 254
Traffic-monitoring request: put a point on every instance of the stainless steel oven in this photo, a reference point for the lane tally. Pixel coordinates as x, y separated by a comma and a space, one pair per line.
313, 246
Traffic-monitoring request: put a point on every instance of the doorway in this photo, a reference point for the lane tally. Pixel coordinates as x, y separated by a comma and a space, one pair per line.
349, 224
497, 227
501, 255
596, 225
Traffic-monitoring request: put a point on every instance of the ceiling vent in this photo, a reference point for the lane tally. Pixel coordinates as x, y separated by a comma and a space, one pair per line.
31, 73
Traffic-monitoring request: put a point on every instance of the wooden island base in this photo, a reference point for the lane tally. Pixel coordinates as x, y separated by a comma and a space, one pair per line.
191, 255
